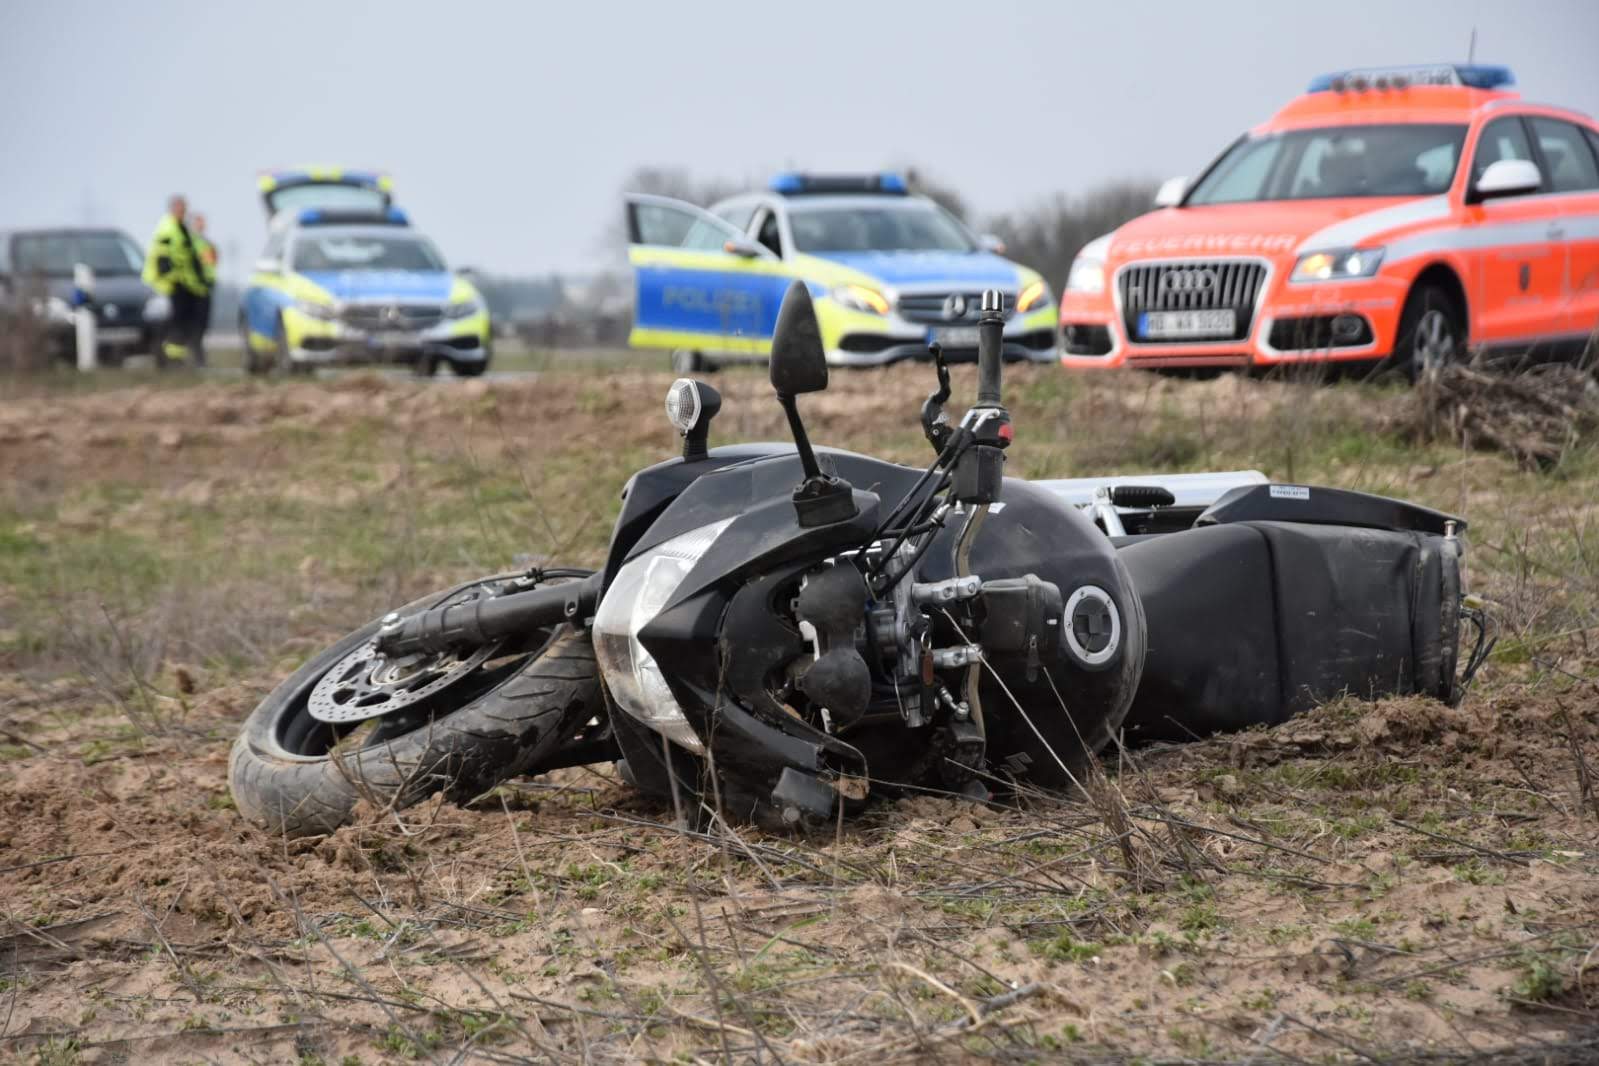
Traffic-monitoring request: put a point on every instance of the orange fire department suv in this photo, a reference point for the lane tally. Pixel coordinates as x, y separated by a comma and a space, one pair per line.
1402, 213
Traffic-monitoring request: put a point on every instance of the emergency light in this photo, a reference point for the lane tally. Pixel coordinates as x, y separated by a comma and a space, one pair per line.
1471, 76
322, 216
793, 183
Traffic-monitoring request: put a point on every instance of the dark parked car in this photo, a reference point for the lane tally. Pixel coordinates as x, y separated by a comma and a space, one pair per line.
36, 279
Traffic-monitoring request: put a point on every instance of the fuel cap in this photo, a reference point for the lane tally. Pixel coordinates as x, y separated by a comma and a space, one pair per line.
1093, 626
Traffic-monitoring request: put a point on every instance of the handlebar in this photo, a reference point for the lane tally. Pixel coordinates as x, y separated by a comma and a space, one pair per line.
990, 341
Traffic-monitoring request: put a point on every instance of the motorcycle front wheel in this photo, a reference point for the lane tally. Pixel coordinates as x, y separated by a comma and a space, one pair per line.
460, 724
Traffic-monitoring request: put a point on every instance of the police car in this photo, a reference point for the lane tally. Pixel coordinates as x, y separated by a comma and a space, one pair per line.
890, 272
1393, 214
345, 279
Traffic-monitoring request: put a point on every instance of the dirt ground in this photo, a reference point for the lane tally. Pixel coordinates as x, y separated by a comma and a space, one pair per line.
1390, 882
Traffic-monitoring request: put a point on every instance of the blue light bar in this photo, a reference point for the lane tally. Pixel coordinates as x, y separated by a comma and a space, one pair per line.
1486, 77
398, 217
1379, 78
791, 183
310, 216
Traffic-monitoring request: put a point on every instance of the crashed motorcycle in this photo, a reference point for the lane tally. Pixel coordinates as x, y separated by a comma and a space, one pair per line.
781, 632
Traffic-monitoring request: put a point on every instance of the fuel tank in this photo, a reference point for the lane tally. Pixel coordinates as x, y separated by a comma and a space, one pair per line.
1044, 727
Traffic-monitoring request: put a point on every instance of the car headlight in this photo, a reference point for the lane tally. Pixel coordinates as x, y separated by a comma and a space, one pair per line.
1033, 297
637, 594
861, 298
1338, 265
463, 308
1087, 276
321, 312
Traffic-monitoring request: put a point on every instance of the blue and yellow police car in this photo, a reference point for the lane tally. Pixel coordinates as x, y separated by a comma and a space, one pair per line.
344, 279
890, 272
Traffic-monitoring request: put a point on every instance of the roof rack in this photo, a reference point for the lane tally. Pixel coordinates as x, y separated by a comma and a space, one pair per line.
794, 183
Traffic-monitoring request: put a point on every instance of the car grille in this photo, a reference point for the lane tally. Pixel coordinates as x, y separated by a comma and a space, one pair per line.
933, 308
1191, 285
393, 316
117, 315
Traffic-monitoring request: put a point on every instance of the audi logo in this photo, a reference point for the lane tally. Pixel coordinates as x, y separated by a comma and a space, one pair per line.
1188, 280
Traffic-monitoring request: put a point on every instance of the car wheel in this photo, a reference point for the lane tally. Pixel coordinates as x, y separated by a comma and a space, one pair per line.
253, 364
282, 361
1432, 332
687, 362
464, 369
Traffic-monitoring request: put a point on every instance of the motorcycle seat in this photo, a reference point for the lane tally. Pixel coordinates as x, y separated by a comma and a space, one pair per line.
1322, 506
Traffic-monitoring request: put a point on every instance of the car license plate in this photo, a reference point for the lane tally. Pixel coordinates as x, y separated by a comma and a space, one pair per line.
1166, 325
953, 337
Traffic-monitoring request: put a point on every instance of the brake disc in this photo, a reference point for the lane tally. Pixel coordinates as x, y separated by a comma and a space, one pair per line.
366, 684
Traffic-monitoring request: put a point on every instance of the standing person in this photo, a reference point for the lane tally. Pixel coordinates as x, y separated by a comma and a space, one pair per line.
208, 274
172, 268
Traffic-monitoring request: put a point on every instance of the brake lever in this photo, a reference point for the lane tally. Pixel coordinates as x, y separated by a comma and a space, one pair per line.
935, 424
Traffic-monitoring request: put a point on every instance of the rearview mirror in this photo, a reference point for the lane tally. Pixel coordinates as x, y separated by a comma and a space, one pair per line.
1171, 192
799, 364
1508, 177
742, 246
991, 243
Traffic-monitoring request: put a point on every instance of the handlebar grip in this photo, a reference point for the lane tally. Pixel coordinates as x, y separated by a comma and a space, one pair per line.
990, 334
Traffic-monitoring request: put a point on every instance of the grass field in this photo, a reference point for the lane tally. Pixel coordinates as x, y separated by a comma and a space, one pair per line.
1399, 881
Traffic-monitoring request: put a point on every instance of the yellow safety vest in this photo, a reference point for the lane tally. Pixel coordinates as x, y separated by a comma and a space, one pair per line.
172, 260
208, 259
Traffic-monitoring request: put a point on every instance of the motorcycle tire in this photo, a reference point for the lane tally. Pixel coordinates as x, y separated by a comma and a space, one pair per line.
285, 778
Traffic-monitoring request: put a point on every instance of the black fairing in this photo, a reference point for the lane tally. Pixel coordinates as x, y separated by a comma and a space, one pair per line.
1029, 531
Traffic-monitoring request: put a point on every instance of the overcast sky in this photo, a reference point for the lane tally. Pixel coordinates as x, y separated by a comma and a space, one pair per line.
510, 128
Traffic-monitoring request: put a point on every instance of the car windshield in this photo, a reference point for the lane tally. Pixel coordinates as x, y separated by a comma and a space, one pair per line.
898, 228
1335, 161
54, 254
363, 251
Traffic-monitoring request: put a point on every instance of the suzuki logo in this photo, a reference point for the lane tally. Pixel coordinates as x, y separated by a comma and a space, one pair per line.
955, 306
1188, 280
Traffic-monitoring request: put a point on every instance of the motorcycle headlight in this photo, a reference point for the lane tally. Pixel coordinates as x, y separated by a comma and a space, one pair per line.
321, 312
1033, 297
1338, 265
861, 298
637, 594
1087, 276
463, 308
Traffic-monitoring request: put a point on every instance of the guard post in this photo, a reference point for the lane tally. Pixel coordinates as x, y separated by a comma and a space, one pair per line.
83, 315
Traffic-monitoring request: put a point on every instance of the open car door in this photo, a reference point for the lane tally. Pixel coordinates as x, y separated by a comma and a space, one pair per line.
356, 192
699, 283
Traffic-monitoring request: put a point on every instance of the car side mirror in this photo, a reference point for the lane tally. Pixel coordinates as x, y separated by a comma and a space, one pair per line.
266, 266
1171, 192
1507, 177
799, 363
742, 246
991, 243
